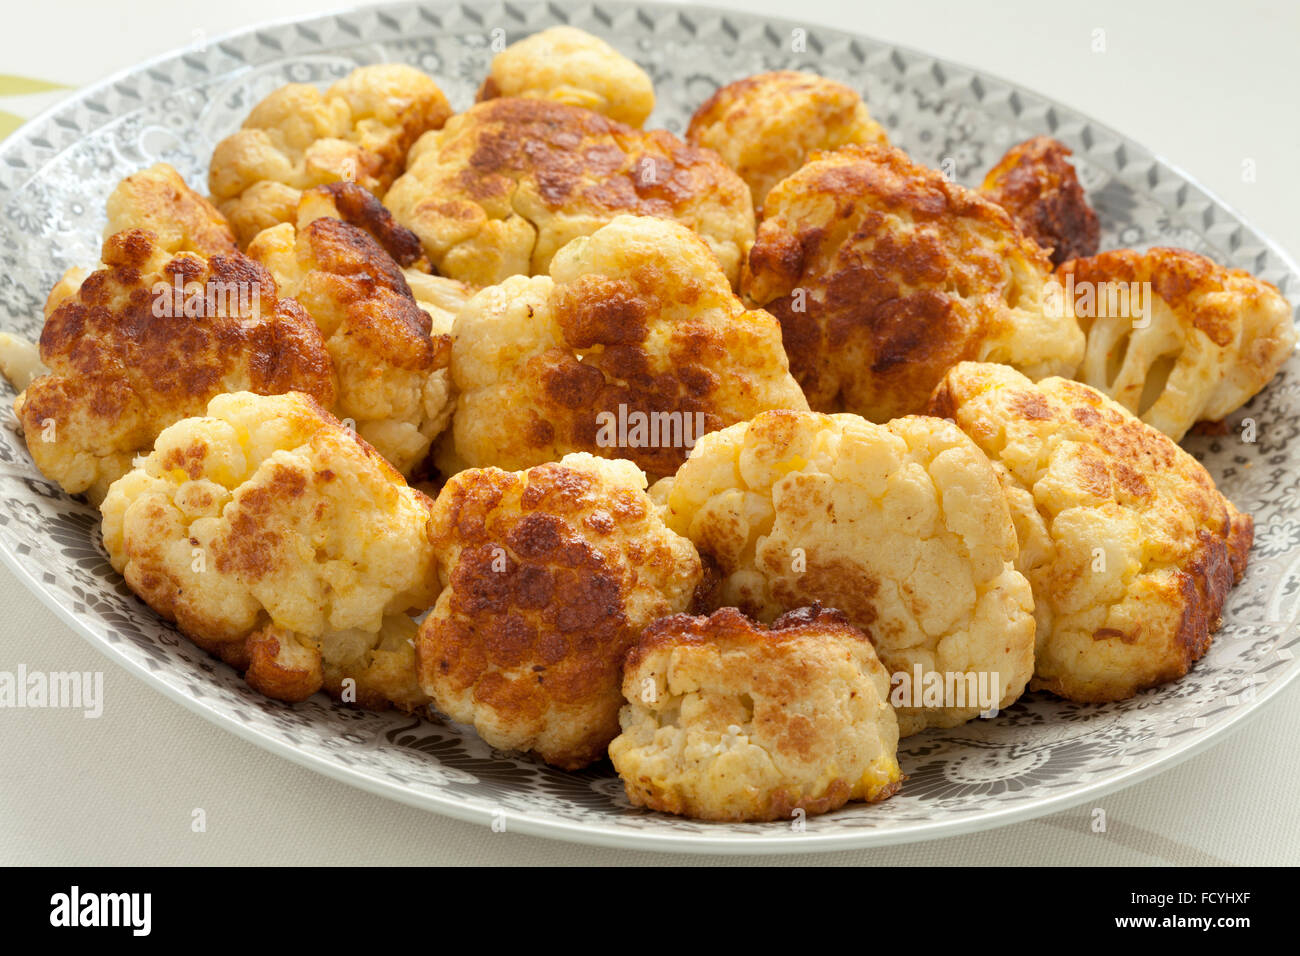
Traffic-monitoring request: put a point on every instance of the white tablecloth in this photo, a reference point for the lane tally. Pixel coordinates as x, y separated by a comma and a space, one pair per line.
1207, 86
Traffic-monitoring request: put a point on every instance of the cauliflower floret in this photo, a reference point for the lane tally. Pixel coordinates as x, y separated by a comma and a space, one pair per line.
359, 130
884, 275
277, 540
1130, 549
765, 126
633, 347
902, 526
1174, 337
394, 381
148, 340
728, 720
503, 186
1036, 183
548, 577
571, 66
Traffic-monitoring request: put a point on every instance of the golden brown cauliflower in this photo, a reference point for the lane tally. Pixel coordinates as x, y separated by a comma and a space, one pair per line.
1036, 183
728, 720
548, 577
148, 340
903, 527
765, 126
503, 186
279, 541
884, 275
571, 66
359, 130
633, 347
1129, 547
1174, 337
394, 381
158, 199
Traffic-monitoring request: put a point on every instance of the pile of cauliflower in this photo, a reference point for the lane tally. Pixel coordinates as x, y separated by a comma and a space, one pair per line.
731, 459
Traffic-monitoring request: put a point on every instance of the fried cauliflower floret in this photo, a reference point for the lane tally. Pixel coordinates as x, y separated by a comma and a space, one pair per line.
884, 275
903, 527
1174, 337
1037, 184
1130, 549
728, 720
503, 186
766, 126
157, 199
280, 542
148, 340
358, 130
571, 66
394, 380
633, 347
548, 577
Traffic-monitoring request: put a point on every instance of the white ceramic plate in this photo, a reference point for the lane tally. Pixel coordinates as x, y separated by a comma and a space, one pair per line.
1040, 756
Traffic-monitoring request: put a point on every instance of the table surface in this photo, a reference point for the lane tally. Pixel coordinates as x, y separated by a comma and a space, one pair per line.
1207, 90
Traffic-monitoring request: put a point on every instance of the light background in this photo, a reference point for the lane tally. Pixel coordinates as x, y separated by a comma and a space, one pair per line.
1205, 85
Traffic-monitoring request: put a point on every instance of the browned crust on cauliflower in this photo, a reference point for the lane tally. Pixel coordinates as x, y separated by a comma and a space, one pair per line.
1186, 280
1036, 182
765, 126
1212, 339
360, 207
730, 720
884, 275
503, 186
732, 624
549, 575
1085, 477
120, 372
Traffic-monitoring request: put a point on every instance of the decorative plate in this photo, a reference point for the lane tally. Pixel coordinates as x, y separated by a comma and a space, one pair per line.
1041, 755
